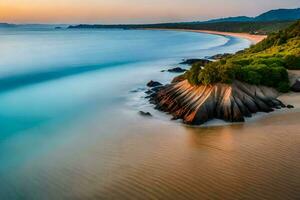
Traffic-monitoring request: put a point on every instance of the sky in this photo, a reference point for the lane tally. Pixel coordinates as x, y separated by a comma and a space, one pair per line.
132, 11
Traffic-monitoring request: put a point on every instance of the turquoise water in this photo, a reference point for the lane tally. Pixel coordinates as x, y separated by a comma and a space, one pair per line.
48, 75
66, 98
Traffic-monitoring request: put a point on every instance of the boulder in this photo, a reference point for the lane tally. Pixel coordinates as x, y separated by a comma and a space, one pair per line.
157, 88
220, 56
296, 86
195, 60
145, 114
154, 89
137, 90
149, 92
178, 79
177, 70
153, 84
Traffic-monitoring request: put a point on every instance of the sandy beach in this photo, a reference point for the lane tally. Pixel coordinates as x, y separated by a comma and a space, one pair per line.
253, 38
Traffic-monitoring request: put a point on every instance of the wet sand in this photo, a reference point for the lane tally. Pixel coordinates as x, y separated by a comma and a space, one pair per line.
152, 159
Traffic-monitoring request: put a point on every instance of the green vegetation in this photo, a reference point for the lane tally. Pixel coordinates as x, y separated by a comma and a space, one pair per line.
239, 27
265, 23
263, 64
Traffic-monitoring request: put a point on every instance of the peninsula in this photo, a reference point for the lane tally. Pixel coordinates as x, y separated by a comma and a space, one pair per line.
237, 86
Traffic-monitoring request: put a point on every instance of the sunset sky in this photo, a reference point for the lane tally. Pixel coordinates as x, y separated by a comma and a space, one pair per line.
131, 11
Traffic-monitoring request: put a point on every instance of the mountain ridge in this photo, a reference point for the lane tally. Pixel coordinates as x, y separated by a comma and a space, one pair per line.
282, 14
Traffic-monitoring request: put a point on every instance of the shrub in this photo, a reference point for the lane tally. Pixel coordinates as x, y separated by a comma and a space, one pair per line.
250, 76
292, 61
210, 74
243, 61
283, 87
275, 61
192, 74
262, 74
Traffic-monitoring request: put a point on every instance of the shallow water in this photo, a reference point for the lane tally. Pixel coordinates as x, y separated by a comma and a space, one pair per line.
69, 127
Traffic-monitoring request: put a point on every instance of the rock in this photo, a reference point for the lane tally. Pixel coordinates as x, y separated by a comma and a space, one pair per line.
220, 56
196, 105
137, 90
195, 60
177, 70
149, 92
145, 114
156, 89
178, 79
296, 86
290, 106
153, 84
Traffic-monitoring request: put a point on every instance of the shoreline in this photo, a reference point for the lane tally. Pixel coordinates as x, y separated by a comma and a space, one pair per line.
290, 98
254, 39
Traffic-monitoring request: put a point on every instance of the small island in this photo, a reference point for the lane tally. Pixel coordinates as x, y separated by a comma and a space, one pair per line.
236, 86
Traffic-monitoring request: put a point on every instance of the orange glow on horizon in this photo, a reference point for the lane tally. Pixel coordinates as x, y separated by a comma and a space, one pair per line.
53, 13
128, 11
78, 12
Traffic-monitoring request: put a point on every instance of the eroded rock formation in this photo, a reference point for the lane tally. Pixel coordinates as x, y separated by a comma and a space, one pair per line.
198, 104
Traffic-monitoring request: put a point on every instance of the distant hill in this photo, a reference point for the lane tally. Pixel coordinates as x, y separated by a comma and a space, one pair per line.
266, 23
271, 21
6, 25
33, 26
239, 27
272, 15
230, 19
279, 15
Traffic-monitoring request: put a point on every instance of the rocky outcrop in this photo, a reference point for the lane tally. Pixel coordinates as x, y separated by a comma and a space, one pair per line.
176, 70
153, 84
220, 56
178, 78
145, 114
296, 86
196, 105
202, 62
